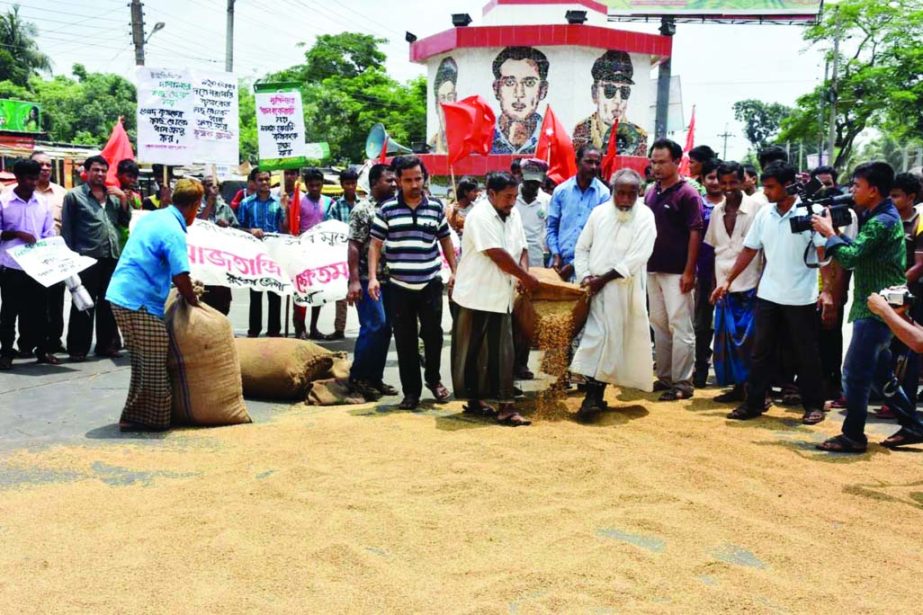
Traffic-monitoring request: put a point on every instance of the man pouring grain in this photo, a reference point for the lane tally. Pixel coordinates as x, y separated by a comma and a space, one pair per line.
610, 260
495, 256
154, 256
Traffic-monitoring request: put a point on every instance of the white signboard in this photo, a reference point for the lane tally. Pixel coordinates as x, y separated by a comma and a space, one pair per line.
315, 261
280, 126
187, 116
229, 257
50, 261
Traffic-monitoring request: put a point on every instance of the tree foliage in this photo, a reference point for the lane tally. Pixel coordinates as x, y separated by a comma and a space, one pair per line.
879, 76
20, 57
345, 91
762, 121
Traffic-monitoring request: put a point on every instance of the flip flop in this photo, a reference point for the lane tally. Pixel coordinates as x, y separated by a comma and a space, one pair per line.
902, 438
513, 420
813, 417
841, 444
743, 413
484, 410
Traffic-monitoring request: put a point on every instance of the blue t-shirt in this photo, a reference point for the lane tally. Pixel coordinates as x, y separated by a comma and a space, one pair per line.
155, 253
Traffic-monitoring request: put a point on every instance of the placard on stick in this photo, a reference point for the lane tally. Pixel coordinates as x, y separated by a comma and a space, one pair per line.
280, 126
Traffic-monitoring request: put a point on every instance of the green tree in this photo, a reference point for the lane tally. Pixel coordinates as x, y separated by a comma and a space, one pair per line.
20, 57
345, 91
762, 121
878, 79
247, 122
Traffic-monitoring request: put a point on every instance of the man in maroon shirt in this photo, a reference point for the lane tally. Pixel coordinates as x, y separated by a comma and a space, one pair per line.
671, 271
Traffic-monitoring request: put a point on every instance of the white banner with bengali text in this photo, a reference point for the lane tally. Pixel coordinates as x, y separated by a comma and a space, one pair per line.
315, 261
49, 261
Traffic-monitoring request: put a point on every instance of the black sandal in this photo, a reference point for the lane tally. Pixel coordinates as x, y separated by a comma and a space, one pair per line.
483, 410
813, 417
743, 413
675, 395
841, 444
513, 420
902, 438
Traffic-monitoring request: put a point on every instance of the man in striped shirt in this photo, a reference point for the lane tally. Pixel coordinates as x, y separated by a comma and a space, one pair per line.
408, 227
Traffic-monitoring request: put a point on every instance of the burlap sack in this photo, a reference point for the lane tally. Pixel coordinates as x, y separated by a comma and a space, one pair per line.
551, 296
203, 366
331, 392
281, 368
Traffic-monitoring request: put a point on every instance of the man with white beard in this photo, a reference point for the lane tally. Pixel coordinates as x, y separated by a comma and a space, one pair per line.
610, 260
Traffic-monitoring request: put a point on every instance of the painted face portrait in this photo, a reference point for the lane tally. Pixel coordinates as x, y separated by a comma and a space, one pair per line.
446, 93
519, 89
611, 98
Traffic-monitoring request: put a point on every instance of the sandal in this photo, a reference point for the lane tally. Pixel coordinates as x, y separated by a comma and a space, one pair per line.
743, 413
733, 395
841, 444
675, 395
813, 417
481, 410
902, 438
409, 403
513, 420
439, 391
48, 358
661, 386
885, 413
790, 398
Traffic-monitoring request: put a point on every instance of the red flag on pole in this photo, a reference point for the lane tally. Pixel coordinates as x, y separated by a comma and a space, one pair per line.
117, 149
556, 148
612, 152
383, 157
690, 143
469, 127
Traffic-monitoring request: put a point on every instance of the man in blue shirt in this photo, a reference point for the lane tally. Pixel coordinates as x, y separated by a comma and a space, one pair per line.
570, 207
154, 257
258, 214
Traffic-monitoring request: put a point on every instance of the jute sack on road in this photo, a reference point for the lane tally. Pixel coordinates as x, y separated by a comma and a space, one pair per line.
552, 298
203, 366
281, 368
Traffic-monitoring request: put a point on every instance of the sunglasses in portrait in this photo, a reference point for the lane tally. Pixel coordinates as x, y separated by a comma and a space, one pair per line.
609, 90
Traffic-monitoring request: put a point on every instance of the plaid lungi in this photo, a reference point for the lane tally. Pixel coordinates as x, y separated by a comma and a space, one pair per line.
146, 338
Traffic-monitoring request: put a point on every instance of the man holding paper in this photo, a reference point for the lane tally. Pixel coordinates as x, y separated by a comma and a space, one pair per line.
24, 219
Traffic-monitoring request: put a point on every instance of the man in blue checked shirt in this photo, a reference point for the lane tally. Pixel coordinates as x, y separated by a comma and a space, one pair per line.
570, 207
262, 213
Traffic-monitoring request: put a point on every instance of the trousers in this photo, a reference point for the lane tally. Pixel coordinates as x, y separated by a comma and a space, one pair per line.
274, 324
25, 300
671, 313
417, 313
374, 339
80, 329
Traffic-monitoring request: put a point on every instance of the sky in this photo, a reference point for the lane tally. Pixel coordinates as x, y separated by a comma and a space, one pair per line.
718, 64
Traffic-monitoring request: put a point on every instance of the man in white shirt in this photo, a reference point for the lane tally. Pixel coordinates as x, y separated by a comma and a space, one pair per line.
730, 222
611, 262
494, 256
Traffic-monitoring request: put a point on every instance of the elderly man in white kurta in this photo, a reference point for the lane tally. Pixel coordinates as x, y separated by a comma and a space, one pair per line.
611, 258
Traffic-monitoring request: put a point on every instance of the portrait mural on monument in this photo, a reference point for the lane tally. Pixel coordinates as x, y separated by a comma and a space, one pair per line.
612, 83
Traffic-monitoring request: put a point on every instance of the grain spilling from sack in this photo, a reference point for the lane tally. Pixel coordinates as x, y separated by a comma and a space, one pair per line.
554, 331
203, 366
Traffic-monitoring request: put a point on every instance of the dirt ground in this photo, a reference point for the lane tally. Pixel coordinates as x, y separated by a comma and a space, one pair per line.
654, 508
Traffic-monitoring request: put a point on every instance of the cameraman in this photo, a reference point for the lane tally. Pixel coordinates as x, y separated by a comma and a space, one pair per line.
787, 297
910, 334
877, 256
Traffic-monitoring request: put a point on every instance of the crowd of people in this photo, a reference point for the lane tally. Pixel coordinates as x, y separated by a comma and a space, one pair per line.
726, 269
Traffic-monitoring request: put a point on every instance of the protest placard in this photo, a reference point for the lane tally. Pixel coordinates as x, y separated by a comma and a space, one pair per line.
315, 261
280, 126
187, 116
229, 257
165, 104
49, 261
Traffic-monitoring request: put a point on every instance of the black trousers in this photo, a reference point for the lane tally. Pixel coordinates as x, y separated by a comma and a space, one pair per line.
218, 297
25, 300
831, 355
274, 326
417, 313
703, 323
80, 329
56, 314
796, 326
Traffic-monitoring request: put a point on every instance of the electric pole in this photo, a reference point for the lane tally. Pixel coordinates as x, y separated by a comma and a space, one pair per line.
137, 31
229, 43
725, 135
667, 28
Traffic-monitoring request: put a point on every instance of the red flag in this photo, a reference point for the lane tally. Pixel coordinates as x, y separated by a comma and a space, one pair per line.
612, 152
383, 157
556, 148
690, 143
117, 149
469, 127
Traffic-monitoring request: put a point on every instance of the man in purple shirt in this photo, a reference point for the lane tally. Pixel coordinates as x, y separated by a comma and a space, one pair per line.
24, 219
671, 270
314, 206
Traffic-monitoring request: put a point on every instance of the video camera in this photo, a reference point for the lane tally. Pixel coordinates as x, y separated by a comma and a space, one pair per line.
838, 205
897, 296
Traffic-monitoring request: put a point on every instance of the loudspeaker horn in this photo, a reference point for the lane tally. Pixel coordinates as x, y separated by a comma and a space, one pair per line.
377, 137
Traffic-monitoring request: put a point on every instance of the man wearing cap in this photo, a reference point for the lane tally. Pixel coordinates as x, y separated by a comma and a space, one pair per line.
612, 80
